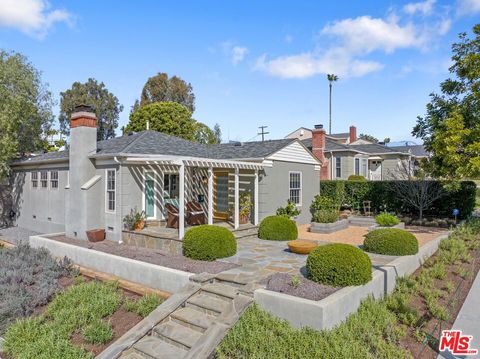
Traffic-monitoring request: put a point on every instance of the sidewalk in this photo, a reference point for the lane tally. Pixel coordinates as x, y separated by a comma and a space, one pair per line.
468, 319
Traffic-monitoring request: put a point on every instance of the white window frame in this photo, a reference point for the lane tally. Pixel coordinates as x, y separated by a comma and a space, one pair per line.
300, 189
355, 161
107, 191
52, 180
153, 175
34, 180
364, 167
44, 180
339, 160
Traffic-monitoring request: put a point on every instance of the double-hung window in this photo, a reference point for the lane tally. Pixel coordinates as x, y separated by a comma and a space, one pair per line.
111, 186
295, 187
44, 179
54, 179
338, 167
357, 166
364, 167
34, 179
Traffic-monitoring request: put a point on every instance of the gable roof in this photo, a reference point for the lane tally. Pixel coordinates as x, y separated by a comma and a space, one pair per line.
416, 150
330, 145
371, 148
248, 150
374, 148
339, 135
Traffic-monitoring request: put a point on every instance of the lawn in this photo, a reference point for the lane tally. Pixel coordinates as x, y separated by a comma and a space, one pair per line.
400, 326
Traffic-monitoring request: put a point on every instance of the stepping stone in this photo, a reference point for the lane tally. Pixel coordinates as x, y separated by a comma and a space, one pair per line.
207, 303
159, 349
194, 318
178, 334
222, 290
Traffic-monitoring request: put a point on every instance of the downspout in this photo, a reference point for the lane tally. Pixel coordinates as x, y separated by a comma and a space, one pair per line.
120, 195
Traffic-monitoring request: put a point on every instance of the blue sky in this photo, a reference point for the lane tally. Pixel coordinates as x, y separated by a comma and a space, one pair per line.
252, 63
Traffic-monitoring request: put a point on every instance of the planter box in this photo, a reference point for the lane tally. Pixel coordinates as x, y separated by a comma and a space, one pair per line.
361, 221
96, 235
401, 225
316, 227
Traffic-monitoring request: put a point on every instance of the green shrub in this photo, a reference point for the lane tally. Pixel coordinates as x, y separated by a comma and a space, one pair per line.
290, 210
278, 228
208, 242
391, 241
356, 178
386, 220
98, 332
339, 265
325, 216
143, 306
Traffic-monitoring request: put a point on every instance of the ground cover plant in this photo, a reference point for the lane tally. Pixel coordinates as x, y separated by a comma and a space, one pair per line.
28, 279
278, 228
208, 242
144, 305
386, 220
403, 325
391, 241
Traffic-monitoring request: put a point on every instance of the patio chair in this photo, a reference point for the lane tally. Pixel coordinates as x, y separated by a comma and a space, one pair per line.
172, 218
195, 214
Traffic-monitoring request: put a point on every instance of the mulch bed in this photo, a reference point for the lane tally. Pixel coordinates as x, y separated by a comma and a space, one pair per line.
431, 325
153, 256
282, 283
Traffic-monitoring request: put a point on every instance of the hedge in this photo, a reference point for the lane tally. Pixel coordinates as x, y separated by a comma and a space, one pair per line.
278, 228
383, 198
391, 241
208, 242
339, 265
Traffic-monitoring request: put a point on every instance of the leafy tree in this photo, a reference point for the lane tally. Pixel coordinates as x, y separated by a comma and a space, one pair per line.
25, 108
105, 104
53, 141
167, 117
450, 130
218, 133
203, 134
367, 137
161, 88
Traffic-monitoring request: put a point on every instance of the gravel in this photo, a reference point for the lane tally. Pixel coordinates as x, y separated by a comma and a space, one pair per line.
153, 256
282, 283
16, 235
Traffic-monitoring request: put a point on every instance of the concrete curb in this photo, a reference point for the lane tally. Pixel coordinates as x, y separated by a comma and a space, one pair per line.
332, 310
150, 275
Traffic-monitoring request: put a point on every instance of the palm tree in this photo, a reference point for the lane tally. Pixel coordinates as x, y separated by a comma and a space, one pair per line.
331, 79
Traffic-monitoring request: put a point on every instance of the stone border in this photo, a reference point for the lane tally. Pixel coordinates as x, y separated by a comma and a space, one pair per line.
332, 310
316, 227
150, 275
361, 221
401, 225
153, 241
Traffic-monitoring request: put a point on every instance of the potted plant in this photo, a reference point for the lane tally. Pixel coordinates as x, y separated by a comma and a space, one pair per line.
135, 220
245, 205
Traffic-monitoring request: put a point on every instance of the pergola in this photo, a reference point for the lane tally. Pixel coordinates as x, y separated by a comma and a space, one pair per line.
210, 164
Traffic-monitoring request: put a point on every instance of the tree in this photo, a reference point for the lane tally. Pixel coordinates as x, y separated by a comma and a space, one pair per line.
203, 134
450, 130
167, 117
161, 88
331, 79
25, 108
367, 137
218, 133
105, 104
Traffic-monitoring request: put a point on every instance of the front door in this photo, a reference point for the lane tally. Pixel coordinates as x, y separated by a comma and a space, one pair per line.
149, 205
376, 170
220, 195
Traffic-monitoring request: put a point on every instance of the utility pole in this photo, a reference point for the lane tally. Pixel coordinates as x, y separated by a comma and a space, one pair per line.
262, 132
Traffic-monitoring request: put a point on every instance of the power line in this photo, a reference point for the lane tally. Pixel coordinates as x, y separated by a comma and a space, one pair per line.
262, 132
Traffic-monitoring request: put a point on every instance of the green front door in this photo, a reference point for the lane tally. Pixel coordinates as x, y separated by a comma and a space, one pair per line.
149, 195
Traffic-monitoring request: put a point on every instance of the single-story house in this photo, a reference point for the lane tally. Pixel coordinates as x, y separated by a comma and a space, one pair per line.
96, 184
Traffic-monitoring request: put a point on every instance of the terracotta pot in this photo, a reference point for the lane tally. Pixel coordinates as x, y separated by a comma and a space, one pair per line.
96, 235
301, 247
139, 225
244, 219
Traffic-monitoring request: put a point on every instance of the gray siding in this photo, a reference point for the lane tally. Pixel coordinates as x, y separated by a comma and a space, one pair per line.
274, 188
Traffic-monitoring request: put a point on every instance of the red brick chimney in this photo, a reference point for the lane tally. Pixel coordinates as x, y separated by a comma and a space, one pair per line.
318, 149
83, 116
353, 134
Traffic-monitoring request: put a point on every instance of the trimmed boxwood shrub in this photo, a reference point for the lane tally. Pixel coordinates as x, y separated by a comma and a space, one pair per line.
278, 228
208, 242
356, 178
339, 265
391, 241
387, 220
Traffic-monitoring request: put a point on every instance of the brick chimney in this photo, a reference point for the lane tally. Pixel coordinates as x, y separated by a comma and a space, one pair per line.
318, 149
353, 134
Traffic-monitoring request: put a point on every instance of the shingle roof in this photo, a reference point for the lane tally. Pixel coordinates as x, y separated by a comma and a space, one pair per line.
416, 150
330, 145
257, 149
373, 148
339, 135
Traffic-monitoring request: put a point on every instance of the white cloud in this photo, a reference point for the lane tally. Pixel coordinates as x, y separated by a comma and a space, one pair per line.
32, 17
288, 39
423, 7
468, 7
238, 54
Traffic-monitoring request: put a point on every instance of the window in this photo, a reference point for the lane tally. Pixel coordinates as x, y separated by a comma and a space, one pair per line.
54, 179
44, 179
295, 187
338, 167
364, 167
111, 185
357, 166
34, 179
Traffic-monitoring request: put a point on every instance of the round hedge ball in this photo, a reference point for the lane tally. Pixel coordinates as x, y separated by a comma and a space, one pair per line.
209, 242
278, 228
391, 241
339, 265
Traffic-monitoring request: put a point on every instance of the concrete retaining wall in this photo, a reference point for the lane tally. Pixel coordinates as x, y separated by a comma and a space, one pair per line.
401, 225
150, 275
316, 227
332, 310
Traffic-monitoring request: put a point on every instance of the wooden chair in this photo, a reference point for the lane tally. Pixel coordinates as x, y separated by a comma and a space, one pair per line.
195, 214
172, 218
